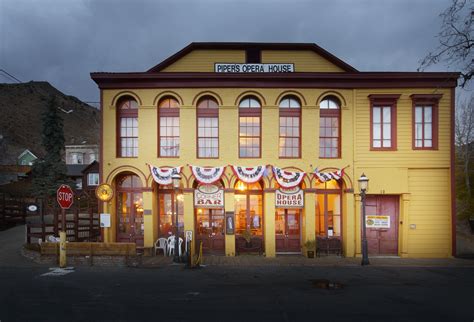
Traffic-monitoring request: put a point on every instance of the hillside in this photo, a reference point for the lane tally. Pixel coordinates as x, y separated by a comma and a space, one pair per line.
21, 106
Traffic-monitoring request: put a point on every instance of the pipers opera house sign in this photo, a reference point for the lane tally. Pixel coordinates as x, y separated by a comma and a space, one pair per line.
253, 68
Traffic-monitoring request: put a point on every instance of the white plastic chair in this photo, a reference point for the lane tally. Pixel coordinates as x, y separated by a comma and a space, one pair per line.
171, 246
161, 243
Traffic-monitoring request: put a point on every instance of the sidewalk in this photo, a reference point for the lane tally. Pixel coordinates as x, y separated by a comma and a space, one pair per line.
329, 261
11, 248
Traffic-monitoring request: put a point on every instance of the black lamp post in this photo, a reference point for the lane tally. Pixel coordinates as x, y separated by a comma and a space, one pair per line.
176, 178
363, 186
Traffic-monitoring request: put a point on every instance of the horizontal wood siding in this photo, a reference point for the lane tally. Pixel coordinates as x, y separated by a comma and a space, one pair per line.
430, 211
404, 156
203, 60
305, 61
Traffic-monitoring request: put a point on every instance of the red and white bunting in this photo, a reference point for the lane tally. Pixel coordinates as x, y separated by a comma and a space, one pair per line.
163, 175
288, 179
326, 176
249, 174
207, 175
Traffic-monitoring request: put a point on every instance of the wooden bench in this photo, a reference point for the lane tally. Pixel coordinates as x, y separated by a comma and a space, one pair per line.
328, 246
256, 245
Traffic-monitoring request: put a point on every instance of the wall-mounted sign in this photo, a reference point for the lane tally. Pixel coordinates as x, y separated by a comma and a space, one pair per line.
229, 223
208, 196
372, 221
253, 68
105, 220
189, 235
289, 198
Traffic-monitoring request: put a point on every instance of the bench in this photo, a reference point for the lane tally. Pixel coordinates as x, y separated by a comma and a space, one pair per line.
328, 246
256, 245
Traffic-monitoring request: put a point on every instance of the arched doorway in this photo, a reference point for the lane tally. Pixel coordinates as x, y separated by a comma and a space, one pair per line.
209, 218
129, 209
249, 209
288, 219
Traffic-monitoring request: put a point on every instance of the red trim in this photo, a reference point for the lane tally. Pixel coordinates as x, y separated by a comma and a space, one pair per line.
378, 100
101, 156
453, 179
244, 46
270, 80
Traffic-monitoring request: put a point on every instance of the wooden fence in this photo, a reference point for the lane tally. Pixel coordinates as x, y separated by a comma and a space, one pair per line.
12, 210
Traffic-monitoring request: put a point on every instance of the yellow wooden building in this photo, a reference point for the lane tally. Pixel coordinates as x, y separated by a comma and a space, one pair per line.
294, 110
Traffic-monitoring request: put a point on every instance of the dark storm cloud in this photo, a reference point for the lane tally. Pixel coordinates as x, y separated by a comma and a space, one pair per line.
63, 41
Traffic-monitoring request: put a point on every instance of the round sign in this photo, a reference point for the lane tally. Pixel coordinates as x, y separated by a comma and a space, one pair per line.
32, 207
104, 192
65, 196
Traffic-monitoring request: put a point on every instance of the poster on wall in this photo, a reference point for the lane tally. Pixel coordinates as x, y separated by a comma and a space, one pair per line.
208, 196
289, 198
229, 223
372, 221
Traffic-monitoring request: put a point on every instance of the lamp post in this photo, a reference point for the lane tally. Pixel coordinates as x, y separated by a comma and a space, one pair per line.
363, 185
176, 178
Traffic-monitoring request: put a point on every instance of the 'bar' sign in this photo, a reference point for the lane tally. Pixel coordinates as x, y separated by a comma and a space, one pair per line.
253, 68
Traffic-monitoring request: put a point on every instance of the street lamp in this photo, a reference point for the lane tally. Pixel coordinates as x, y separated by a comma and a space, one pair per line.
363, 186
176, 178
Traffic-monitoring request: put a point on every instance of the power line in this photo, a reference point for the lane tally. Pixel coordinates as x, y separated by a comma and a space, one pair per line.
10, 75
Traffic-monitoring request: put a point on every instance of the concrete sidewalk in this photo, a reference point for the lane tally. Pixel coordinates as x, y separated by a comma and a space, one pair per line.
329, 261
11, 248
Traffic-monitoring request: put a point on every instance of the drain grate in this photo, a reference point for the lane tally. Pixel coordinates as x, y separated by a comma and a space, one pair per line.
326, 284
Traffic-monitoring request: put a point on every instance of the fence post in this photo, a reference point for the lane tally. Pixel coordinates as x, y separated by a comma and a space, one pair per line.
91, 224
76, 224
56, 224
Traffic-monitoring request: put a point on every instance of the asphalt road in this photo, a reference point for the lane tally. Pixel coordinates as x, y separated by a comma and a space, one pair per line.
217, 293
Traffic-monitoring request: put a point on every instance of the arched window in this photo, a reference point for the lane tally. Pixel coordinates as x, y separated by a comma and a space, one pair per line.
130, 209
330, 128
168, 120
208, 128
290, 127
250, 141
127, 125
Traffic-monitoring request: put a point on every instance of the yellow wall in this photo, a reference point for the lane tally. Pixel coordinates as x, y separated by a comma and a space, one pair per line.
200, 60
389, 172
305, 61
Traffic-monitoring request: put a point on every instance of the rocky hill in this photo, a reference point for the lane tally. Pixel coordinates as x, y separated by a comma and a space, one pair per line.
21, 106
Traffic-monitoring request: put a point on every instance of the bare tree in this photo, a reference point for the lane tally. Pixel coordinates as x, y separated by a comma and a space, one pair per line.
464, 135
455, 40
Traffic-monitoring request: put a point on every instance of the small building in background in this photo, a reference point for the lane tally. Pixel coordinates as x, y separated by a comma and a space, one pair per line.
27, 158
81, 153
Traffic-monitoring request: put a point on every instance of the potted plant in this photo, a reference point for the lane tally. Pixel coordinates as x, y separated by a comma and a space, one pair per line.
247, 235
310, 247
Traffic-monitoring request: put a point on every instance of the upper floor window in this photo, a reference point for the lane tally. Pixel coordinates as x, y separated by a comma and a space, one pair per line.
383, 119
77, 158
208, 128
168, 120
93, 179
127, 124
329, 128
425, 121
250, 141
290, 127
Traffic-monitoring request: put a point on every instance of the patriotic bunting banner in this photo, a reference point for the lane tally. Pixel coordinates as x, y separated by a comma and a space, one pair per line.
207, 175
249, 174
288, 179
163, 175
326, 176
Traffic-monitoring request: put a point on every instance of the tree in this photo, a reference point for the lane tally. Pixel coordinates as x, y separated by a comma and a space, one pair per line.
50, 172
455, 40
464, 136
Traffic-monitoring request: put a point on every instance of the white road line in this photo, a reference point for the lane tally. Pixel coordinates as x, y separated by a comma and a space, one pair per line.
56, 271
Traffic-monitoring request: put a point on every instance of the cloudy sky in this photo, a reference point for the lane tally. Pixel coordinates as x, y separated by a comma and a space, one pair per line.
63, 41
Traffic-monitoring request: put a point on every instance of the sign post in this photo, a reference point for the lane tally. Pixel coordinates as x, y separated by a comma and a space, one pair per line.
65, 198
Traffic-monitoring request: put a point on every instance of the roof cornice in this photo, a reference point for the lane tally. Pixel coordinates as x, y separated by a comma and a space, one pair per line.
264, 80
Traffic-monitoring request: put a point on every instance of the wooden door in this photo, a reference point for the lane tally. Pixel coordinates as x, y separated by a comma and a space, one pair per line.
288, 230
210, 230
130, 218
383, 241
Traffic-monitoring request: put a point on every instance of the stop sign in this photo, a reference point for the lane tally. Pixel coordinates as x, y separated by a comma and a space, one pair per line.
65, 196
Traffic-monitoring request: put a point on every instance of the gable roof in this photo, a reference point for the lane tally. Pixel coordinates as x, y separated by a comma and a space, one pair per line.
251, 45
25, 152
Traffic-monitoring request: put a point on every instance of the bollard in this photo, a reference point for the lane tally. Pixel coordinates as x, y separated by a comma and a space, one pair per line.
62, 249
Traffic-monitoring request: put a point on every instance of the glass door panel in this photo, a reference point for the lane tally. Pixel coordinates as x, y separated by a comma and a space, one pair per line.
240, 214
280, 222
255, 215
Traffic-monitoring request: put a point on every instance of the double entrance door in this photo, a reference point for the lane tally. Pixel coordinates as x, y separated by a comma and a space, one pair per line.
210, 230
287, 230
383, 241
